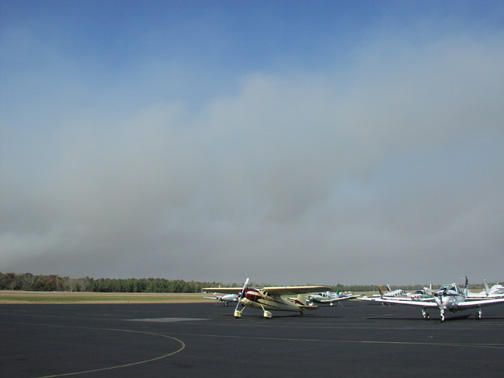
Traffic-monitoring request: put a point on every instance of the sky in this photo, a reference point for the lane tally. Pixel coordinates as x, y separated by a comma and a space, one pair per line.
292, 142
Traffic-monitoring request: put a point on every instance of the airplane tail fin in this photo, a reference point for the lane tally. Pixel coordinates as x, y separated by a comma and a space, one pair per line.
487, 290
428, 290
381, 291
388, 288
301, 299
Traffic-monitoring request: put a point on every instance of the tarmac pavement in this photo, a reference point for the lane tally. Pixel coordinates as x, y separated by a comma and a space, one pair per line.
360, 339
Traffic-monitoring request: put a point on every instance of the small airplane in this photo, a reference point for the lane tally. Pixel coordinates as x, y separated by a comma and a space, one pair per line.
421, 294
393, 293
228, 298
399, 294
449, 298
328, 297
270, 298
496, 291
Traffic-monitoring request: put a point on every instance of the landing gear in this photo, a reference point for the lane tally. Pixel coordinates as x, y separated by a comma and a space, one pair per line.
238, 313
442, 316
425, 314
479, 314
268, 314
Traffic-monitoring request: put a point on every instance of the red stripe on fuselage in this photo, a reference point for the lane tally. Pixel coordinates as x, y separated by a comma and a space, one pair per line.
254, 295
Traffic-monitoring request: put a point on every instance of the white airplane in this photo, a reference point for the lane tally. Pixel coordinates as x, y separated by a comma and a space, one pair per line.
328, 297
393, 293
228, 298
270, 298
419, 295
448, 298
496, 291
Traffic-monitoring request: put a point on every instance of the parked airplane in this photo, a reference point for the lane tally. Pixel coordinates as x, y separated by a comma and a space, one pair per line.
399, 294
393, 293
422, 294
419, 295
270, 298
496, 291
224, 298
448, 298
328, 297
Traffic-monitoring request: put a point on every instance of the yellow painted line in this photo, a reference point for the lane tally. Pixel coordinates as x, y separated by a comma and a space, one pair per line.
182, 347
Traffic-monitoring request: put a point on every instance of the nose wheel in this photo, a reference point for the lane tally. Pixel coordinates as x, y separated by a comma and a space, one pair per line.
425, 314
237, 314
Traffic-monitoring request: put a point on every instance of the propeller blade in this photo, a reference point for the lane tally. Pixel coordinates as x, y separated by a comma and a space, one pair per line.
242, 294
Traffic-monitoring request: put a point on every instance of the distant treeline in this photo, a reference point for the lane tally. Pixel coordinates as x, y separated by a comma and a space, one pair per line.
30, 282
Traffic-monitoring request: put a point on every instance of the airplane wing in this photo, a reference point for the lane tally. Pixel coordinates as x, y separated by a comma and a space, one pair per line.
370, 299
407, 303
483, 302
405, 299
335, 299
292, 290
223, 290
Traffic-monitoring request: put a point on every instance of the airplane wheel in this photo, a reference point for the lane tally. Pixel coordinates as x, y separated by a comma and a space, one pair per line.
268, 315
426, 317
442, 318
237, 314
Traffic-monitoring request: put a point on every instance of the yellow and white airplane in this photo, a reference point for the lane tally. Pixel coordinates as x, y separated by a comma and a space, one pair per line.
270, 298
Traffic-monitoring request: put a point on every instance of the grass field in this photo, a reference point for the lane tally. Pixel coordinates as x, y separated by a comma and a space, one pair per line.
7, 296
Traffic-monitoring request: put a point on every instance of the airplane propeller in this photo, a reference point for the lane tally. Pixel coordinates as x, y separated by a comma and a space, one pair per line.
242, 294
439, 298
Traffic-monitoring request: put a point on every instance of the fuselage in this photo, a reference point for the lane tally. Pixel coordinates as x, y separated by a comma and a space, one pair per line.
449, 296
257, 299
229, 298
450, 302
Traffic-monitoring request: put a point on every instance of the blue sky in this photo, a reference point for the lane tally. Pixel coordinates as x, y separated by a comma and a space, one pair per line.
340, 142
